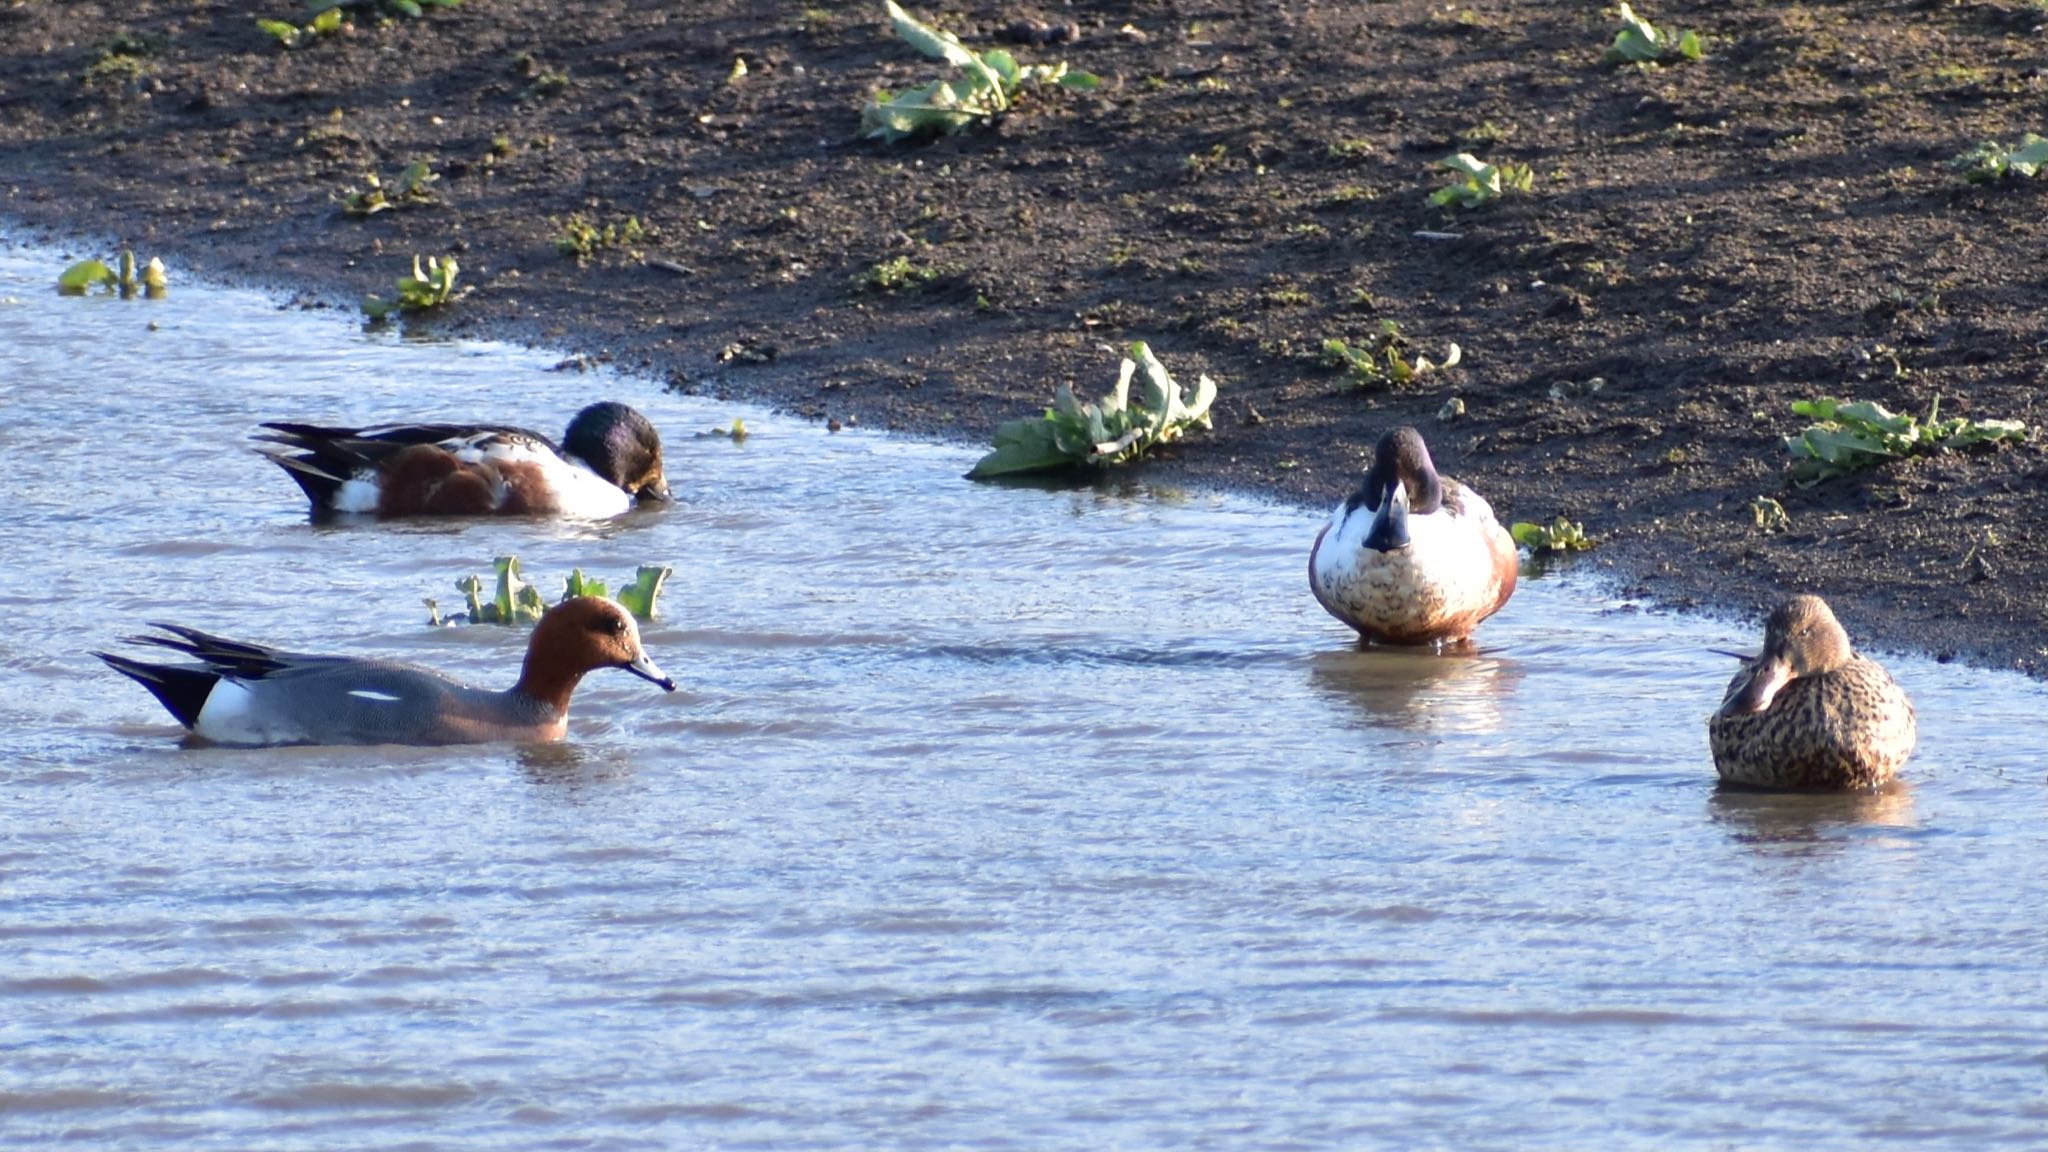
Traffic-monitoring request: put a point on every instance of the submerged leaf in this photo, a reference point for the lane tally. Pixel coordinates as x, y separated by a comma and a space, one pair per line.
85, 274
640, 598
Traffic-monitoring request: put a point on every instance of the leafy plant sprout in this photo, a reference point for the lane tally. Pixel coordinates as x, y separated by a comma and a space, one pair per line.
428, 287
1109, 431
1644, 44
989, 86
1479, 182
1851, 437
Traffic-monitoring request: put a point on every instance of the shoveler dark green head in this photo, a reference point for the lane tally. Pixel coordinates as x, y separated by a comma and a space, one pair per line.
1401, 481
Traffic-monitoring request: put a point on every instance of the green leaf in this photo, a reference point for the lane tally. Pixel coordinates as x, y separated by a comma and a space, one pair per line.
472, 592
1689, 44
1080, 80
409, 7
287, 34
929, 40
327, 23
1022, 446
640, 598
86, 274
577, 584
510, 588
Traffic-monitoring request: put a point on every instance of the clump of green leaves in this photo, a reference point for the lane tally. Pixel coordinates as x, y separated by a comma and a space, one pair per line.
989, 85
327, 23
383, 8
428, 287
1848, 438
1641, 42
1110, 431
125, 277
580, 239
1561, 536
1479, 182
1381, 362
410, 187
1991, 161
517, 601
894, 275
737, 433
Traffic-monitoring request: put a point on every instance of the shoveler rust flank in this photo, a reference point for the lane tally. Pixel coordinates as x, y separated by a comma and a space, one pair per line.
255, 696
1807, 712
1412, 557
609, 458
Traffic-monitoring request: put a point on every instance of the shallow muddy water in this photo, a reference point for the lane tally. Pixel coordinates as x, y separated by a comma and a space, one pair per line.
986, 817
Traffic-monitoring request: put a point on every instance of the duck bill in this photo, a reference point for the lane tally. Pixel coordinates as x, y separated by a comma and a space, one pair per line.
651, 672
654, 492
1766, 677
1389, 532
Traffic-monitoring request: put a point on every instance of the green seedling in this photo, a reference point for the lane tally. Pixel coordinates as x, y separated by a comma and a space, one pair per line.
125, 278
894, 275
1479, 182
384, 8
1381, 362
517, 601
579, 239
989, 85
1110, 431
1851, 437
1991, 161
327, 23
737, 433
1641, 42
1561, 536
428, 287
410, 187
1769, 515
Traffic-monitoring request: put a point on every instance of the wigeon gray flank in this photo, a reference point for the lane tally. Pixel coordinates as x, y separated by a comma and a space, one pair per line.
248, 694
1412, 557
609, 457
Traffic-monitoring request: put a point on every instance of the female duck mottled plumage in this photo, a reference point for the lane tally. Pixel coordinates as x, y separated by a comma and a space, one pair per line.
1412, 557
1807, 712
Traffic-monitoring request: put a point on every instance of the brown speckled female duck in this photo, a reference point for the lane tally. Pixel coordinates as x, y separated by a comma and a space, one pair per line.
1808, 712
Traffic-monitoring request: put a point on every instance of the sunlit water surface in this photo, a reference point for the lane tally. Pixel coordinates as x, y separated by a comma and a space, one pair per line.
985, 817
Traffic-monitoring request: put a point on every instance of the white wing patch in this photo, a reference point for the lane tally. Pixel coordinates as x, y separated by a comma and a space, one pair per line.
370, 694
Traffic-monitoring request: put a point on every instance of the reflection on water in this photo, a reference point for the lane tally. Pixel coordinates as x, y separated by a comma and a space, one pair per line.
1453, 690
985, 816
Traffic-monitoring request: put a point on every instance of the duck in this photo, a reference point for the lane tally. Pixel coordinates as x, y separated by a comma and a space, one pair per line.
251, 695
609, 460
1412, 557
1809, 713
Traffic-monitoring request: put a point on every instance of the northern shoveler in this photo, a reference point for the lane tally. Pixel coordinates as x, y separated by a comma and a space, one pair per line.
251, 695
1807, 712
1412, 557
609, 457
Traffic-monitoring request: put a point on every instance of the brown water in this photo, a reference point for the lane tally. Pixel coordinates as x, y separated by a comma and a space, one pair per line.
986, 817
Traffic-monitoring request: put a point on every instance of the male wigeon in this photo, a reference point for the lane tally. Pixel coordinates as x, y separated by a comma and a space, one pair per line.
609, 457
247, 694
1412, 557
1807, 712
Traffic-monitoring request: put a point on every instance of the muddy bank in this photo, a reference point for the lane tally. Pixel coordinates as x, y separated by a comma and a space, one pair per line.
1708, 242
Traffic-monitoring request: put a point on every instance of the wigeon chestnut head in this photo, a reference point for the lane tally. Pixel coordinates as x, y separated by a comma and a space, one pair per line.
1808, 712
1412, 557
251, 695
609, 458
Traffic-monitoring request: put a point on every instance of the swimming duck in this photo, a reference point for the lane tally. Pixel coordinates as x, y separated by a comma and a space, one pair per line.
1412, 557
1807, 712
610, 456
252, 695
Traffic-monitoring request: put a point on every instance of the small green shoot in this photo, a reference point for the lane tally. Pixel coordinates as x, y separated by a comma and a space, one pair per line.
737, 433
386, 9
1479, 182
125, 278
897, 274
1643, 43
1562, 536
428, 287
1851, 437
410, 187
517, 601
1381, 363
1769, 515
1109, 431
991, 82
579, 239
294, 36
1991, 161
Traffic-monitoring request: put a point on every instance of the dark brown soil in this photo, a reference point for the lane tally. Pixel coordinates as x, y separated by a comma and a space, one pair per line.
1711, 240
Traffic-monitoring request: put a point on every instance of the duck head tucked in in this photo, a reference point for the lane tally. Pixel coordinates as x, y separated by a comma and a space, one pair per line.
1802, 638
253, 695
1808, 712
1411, 557
622, 446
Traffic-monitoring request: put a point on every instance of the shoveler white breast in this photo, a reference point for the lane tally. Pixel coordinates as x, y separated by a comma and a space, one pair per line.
1807, 712
609, 458
1412, 557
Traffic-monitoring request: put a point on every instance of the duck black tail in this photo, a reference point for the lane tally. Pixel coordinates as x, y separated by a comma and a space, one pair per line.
181, 690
